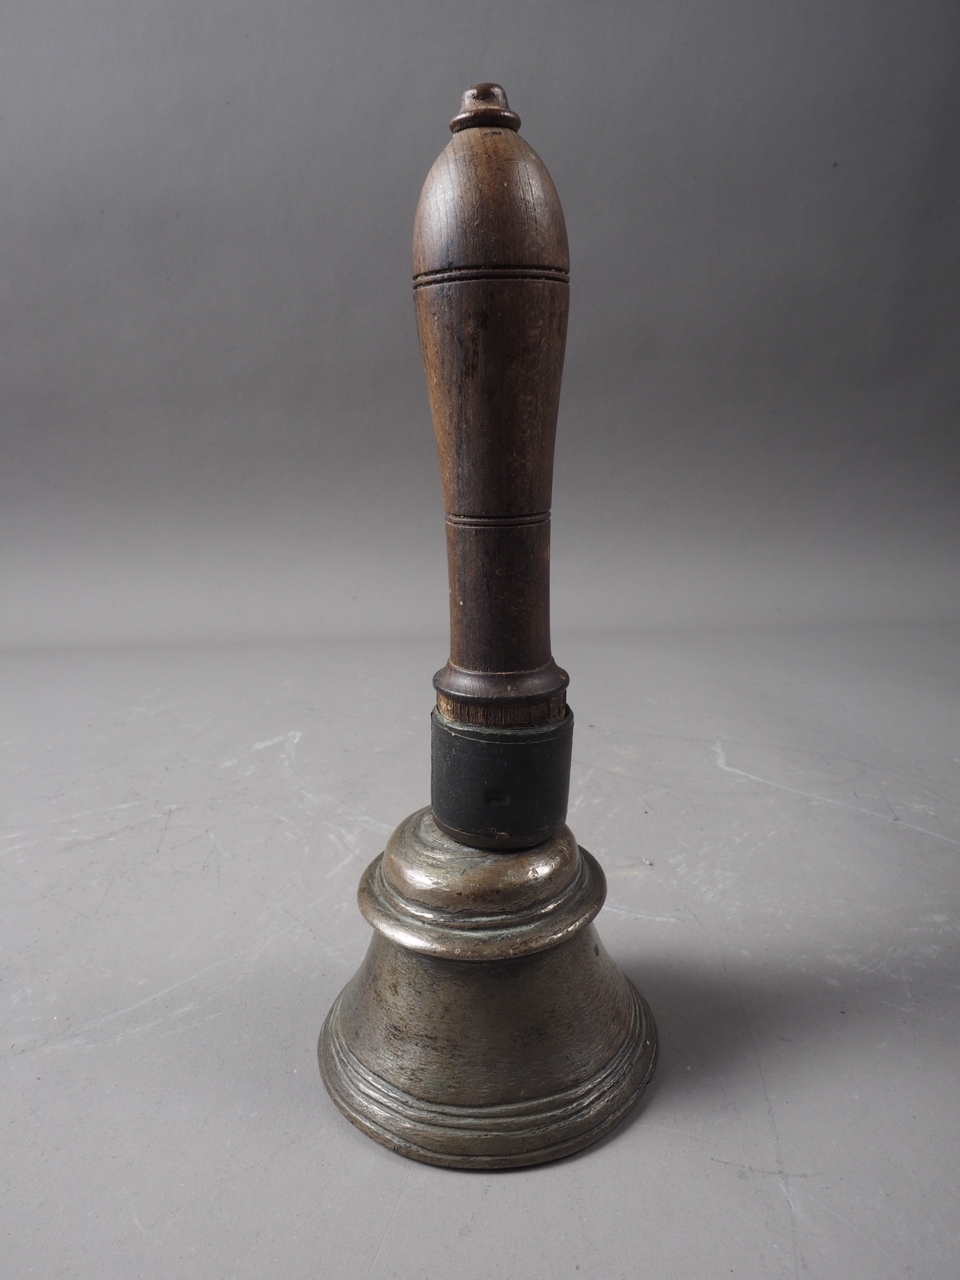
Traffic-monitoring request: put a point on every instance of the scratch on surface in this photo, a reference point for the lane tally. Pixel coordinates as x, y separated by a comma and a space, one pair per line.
163, 833
710, 933
577, 801
174, 986
839, 804
40, 894
684, 1133
145, 1231
76, 837
289, 740
778, 1150
77, 1040
847, 1223
645, 915
389, 1225
769, 1173
349, 815
344, 862
110, 808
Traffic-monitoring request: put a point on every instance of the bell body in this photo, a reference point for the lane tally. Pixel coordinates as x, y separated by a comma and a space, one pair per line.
488, 1035
487, 1027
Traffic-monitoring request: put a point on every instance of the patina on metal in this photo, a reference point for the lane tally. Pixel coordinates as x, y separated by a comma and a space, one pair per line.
487, 1026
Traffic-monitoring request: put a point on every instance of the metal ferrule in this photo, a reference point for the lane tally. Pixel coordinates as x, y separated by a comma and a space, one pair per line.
497, 788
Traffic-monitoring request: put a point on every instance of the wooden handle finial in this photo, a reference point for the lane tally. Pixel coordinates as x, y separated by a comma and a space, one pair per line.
491, 285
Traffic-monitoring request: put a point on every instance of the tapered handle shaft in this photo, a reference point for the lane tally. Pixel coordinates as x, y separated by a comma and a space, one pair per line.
491, 285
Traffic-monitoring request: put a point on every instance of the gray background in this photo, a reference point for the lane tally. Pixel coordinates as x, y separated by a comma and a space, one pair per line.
213, 413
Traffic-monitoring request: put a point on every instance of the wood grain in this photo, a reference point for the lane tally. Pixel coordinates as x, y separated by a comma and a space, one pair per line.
491, 287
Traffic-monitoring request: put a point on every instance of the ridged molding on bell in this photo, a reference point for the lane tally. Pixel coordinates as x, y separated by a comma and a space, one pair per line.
487, 1027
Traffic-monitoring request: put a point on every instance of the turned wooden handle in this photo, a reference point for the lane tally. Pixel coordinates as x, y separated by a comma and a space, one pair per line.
491, 284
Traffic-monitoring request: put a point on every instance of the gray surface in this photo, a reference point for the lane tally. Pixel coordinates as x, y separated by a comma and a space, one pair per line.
778, 812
